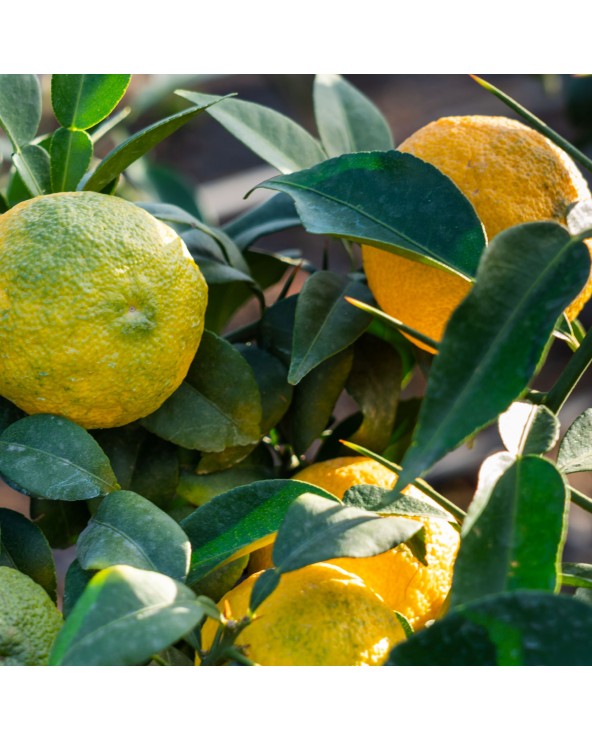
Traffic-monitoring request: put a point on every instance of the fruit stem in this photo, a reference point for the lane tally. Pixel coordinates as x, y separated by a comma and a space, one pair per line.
579, 499
569, 378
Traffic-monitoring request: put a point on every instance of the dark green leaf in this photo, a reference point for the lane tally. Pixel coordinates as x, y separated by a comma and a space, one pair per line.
528, 276
211, 462
208, 412
9, 413
405, 421
576, 574
32, 164
171, 187
276, 214
371, 498
527, 429
82, 101
20, 107
276, 392
124, 616
17, 190
71, 152
263, 587
346, 119
575, 450
136, 146
224, 300
199, 489
277, 328
51, 457
325, 322
60, 521
513, 534
3, 204
315, 398
129, 530
271, 135
425, 216
240, 521
219, 582
24, 547
520, 628
332, 444
76, 581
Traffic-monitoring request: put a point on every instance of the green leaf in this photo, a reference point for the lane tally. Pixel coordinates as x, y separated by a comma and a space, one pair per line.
136, 146
527, 429
272, 136
277, 328
575, 450
240, 521
9, 413
315, 398
375, 383
199, 489
51, 457
60, 521
274, 215
77, 579
519, 628
17, 190
425, 216
124, 616
171, 187
207, 412
24, 547
346, 119
219, 582
405, 422
71, 152
129, 530
276, 392
82, 101
576, 574
325, 323
513, 533
20, 107
33, 165
495, 338
371, 498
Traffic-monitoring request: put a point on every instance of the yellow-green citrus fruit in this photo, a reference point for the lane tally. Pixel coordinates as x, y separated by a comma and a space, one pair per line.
318, 615
415, 590
511, 174
29, 620
101, 308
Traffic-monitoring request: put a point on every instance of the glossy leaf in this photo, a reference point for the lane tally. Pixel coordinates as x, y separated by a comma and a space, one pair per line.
71, 152
425, 216
276, 392
346, 119
20, 107
136, 146
207, 412
272, 136
51, 457
239, 522
124, 616
528, 276
513, 535
527, 429
127, 529
60, 521
274, 215
519, 628
575, 451
82, 101
33, 165
576, 574
325, 323
24, 547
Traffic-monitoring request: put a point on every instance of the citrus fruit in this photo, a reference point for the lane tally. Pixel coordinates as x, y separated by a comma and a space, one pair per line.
511, 174
415, 590
318, 615
29, 620
101, 308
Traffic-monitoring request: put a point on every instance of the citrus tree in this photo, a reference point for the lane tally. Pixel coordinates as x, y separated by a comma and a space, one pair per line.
223, 510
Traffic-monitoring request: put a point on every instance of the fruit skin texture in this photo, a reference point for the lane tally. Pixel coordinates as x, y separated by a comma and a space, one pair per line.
101, 308
29, 620
318, 615
511, 174
407, 586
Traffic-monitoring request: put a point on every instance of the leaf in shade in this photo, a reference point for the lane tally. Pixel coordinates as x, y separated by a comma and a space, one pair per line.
124, 616
71, 152
219, 582
136, 146
515, 538
51, 457
274, 215
171, 187
20, 107
528, 429
277, 328
239, 522
207, 412
199, 489
272, 136
528, 276
24, 547
9, 413
276, 392
325, 323
576, 574
75, 582
346, 119
82, 101
575, 450
375, 384
60, 521
519, 628
128, 529
315, 398
405, 422
32, 164
425, 216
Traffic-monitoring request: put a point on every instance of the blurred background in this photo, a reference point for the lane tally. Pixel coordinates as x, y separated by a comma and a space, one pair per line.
202, 166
